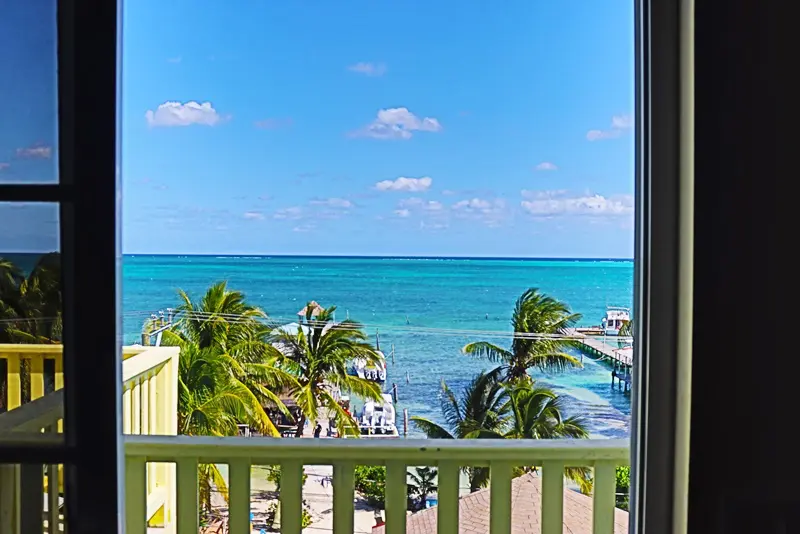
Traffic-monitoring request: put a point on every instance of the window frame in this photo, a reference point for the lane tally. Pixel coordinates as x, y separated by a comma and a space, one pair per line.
663, 265
88, 193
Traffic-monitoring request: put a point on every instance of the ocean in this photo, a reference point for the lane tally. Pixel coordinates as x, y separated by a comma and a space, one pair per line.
401, 300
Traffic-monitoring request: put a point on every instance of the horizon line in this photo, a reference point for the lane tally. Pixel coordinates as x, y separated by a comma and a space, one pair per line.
382, 257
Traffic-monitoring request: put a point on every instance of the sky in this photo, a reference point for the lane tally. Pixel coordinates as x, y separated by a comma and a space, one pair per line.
351, 128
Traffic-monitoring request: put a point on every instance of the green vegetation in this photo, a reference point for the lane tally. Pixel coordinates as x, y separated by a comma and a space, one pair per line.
234, 370
506, 403
423, 483
274, 476
30, 306
321, 355
370, 482
540, 320
623, 487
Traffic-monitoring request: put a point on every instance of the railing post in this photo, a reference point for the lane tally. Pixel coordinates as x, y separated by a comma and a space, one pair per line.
500, 498
136, 410
552, 497
448, 498
188, 502
37, 376
291, 497
126, 410
343, 510
239, 496
9, 505
31, 497
14, 384
605, 485
396, 497
135, 495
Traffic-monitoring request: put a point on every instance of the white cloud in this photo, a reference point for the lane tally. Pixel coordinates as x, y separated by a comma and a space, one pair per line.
449, 192
342, 203
418, 203
292, 213
177, 114
490, 212
619, 125
368, 68
472, 204
398, 123
254, 215
554, 203
546, 166
402, 183
4, 166
304, 228
402, 212
35, 152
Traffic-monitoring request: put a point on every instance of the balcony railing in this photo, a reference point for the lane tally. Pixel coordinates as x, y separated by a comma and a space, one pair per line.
501, 456
149, 400
162, 468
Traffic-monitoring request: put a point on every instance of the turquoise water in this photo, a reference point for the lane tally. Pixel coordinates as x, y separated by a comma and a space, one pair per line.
399, 296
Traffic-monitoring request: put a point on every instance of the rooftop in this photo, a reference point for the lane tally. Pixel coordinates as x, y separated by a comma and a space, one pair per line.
526, 507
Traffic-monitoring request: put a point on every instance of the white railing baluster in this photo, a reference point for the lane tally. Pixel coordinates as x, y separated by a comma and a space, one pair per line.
552, 497
239, 496
136, 411
291, 497
135, 495
448, 498
126, 410
605, 486
343, 512
396, 497
500, 498
188, 503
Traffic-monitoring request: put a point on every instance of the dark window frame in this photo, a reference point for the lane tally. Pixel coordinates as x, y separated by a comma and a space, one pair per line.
87, 195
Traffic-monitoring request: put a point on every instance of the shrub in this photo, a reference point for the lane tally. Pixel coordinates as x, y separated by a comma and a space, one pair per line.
623, 487
274, 476
272, 514
370, 482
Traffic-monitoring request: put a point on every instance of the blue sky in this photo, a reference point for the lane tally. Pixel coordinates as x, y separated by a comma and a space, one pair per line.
365, 127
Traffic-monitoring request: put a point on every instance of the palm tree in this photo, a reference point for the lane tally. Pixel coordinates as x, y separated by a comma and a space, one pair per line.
536, 413
222, 326
481, 411
539, 322
626, 329
423, 483
318, 355
30, 306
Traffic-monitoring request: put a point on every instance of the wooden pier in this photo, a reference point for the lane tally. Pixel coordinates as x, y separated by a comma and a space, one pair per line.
595, 344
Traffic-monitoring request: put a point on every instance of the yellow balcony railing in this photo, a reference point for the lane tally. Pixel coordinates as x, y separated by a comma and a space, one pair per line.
150, 397
31, 360
557, 505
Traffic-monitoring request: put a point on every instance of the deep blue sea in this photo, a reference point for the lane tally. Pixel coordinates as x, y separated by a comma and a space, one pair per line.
399, 297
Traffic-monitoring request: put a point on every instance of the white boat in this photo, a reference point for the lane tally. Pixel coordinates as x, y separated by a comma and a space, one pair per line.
615, 317
378, 418
370, 371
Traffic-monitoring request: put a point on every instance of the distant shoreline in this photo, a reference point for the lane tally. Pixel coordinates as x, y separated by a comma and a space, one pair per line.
371, 257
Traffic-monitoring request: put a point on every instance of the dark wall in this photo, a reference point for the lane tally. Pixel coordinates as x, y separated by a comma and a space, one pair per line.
746, 357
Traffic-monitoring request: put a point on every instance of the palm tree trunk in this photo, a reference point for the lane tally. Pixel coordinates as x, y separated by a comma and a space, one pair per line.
301, 423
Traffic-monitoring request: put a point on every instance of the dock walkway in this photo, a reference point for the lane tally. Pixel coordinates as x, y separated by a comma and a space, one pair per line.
595, 345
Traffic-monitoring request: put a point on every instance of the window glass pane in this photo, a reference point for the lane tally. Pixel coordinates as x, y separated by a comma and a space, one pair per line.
31, 366
28, 92
425, 232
